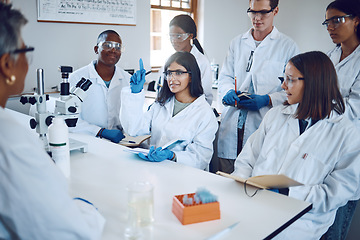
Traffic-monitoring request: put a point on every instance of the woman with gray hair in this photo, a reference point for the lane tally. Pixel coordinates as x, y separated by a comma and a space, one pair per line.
34, 200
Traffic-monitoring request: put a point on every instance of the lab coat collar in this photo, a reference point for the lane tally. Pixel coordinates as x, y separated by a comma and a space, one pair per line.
289, 109
194, 50
334, 116
94, 76
274, 34
335, 57
170, 105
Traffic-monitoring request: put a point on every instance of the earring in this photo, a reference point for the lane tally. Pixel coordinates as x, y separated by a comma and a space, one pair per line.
11, 81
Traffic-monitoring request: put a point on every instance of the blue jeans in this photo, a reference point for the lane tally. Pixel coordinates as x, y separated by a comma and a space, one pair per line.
341, 225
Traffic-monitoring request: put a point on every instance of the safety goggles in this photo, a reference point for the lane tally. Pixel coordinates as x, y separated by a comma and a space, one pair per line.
289, 81
175, 73
27, 50
262, 13
109, 45
178, 37
335, 21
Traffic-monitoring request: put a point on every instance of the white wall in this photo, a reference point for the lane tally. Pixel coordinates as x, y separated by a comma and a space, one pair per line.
301, 20
220, 21
72, 44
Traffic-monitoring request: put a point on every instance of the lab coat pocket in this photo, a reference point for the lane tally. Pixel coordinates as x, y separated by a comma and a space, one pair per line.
267, 80
313, 169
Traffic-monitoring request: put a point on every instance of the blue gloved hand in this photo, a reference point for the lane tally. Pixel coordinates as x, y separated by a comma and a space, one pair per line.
113, 135
256, 102
137, 80
157, 155
230, 97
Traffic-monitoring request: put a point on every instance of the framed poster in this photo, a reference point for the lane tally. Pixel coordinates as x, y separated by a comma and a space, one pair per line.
118, 12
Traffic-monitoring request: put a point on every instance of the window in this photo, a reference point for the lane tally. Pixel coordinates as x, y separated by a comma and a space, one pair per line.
162, 11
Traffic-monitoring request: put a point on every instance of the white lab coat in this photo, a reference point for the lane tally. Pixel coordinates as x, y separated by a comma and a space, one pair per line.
196, 124
101, 108
348, 71
269, 61
34, 200
325, 158
205, 71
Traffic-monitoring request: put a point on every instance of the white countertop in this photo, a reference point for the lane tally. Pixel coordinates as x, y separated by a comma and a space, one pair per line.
102, 174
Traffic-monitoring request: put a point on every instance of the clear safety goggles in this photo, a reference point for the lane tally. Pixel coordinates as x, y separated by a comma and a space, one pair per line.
178, 37
262, 13
175, 73
109, 45
335, 21
289, 81
28, 53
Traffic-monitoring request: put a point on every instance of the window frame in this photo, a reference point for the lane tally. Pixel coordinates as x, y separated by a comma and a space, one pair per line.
192, 10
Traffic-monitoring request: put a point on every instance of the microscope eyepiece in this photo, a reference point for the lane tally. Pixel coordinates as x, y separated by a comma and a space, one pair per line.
66, 69
86, 85
82, 80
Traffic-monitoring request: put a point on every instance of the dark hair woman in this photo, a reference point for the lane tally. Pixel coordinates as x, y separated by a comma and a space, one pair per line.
342, 20
35, 203
310, 140
179, 113
183, 37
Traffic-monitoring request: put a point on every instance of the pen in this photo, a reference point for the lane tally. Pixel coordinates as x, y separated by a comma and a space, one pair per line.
223, 232
235, 92
148, 72
129, 141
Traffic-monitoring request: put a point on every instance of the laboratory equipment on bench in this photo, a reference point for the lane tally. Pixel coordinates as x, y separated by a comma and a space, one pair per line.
69, 104
59, 145
42, 118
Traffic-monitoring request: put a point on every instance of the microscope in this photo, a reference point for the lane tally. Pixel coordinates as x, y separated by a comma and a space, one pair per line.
67, 106
42, 117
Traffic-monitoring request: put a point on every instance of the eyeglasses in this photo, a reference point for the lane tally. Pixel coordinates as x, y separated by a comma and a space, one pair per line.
109, 45
27, 50
178, 37
175, 73
262, 13
335, 21
289, 81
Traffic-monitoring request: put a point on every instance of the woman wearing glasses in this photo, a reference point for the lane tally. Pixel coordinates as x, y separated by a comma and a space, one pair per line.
100, 110
310, 140
180, 112
183, 33
34, 200
342, 20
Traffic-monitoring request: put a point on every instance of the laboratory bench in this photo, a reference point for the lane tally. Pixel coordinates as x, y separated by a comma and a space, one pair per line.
102, 174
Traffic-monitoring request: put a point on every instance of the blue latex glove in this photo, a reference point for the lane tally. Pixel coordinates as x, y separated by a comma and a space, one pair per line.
230, 97
256, 102
157, 155
113, 135
137, 80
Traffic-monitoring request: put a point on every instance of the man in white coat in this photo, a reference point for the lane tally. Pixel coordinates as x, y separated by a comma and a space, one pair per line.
253, 64
100, 110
